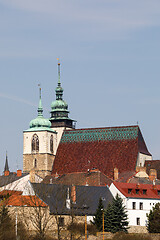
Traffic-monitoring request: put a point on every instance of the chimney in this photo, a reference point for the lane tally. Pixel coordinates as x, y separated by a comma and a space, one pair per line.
73, 194
115, 173
19, 173
152, 174
68, 201
140, 169
32, 176
6, 173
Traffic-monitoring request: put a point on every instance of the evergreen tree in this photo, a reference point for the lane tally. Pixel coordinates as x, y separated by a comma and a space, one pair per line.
108, 218
97, 220
153, 225
115, 216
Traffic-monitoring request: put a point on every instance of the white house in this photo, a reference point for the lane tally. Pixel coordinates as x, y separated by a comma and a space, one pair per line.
138, 199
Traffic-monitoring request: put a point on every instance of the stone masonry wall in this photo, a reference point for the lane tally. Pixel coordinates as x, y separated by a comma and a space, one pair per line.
44, 163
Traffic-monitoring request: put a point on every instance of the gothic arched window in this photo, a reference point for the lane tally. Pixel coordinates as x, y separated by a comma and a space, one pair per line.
51, 143
35, 143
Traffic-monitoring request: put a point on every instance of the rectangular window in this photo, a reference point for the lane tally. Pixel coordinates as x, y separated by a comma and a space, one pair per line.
129, 190
133, 205
61, 221
141, 205
144, 191
137, 191
158, 192
138, 221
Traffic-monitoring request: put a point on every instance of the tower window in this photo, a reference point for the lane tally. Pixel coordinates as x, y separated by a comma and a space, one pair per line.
35, 143
51, 143
35, 162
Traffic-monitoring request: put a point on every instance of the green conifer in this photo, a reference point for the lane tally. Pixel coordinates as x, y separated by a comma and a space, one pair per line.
97, 220
116, 216
153, 225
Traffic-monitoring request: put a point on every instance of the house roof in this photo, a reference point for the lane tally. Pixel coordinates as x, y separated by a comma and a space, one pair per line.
152, 191
125, 176
153, 164
10, 192
91, 178
4, 180
102, 148
23, 201
87, 198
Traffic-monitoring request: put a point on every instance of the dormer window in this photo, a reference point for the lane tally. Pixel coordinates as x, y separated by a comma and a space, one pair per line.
137, 191
144, 191
129, 190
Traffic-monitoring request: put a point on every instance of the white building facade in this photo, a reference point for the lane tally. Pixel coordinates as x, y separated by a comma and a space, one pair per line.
138, 199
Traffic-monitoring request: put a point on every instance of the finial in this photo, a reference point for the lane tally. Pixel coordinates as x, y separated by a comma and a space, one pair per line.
58, 72
39, 85
40, 109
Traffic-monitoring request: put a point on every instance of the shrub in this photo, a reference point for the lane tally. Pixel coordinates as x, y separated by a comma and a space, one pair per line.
126, 236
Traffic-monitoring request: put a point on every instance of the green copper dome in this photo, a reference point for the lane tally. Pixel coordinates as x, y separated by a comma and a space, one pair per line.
59, 104
40, 122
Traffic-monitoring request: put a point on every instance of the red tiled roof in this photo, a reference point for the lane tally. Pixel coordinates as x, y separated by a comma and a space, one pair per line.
152, 190
10, 192
102, 148
29, 201
91, 178
125, 176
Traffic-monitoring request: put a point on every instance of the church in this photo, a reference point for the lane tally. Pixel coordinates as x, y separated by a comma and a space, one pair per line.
55, 146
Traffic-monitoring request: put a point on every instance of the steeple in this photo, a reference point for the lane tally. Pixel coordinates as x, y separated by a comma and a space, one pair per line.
39, 123
6, 167
59, 108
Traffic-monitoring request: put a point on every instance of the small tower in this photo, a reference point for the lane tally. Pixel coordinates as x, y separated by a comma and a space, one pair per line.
6, 167
59, 111
39, 145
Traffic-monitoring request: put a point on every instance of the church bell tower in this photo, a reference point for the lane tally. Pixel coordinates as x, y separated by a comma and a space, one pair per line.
39, 145
59, 112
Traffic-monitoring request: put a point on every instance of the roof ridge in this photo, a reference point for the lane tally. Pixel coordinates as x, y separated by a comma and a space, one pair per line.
125, 126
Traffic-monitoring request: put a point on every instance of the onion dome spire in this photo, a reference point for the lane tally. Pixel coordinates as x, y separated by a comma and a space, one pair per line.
6, 167
40, 123
59, 108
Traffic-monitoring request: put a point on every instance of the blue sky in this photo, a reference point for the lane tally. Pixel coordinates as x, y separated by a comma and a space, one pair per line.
110, 55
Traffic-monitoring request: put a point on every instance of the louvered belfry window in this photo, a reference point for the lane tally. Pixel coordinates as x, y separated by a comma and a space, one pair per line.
35, 143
